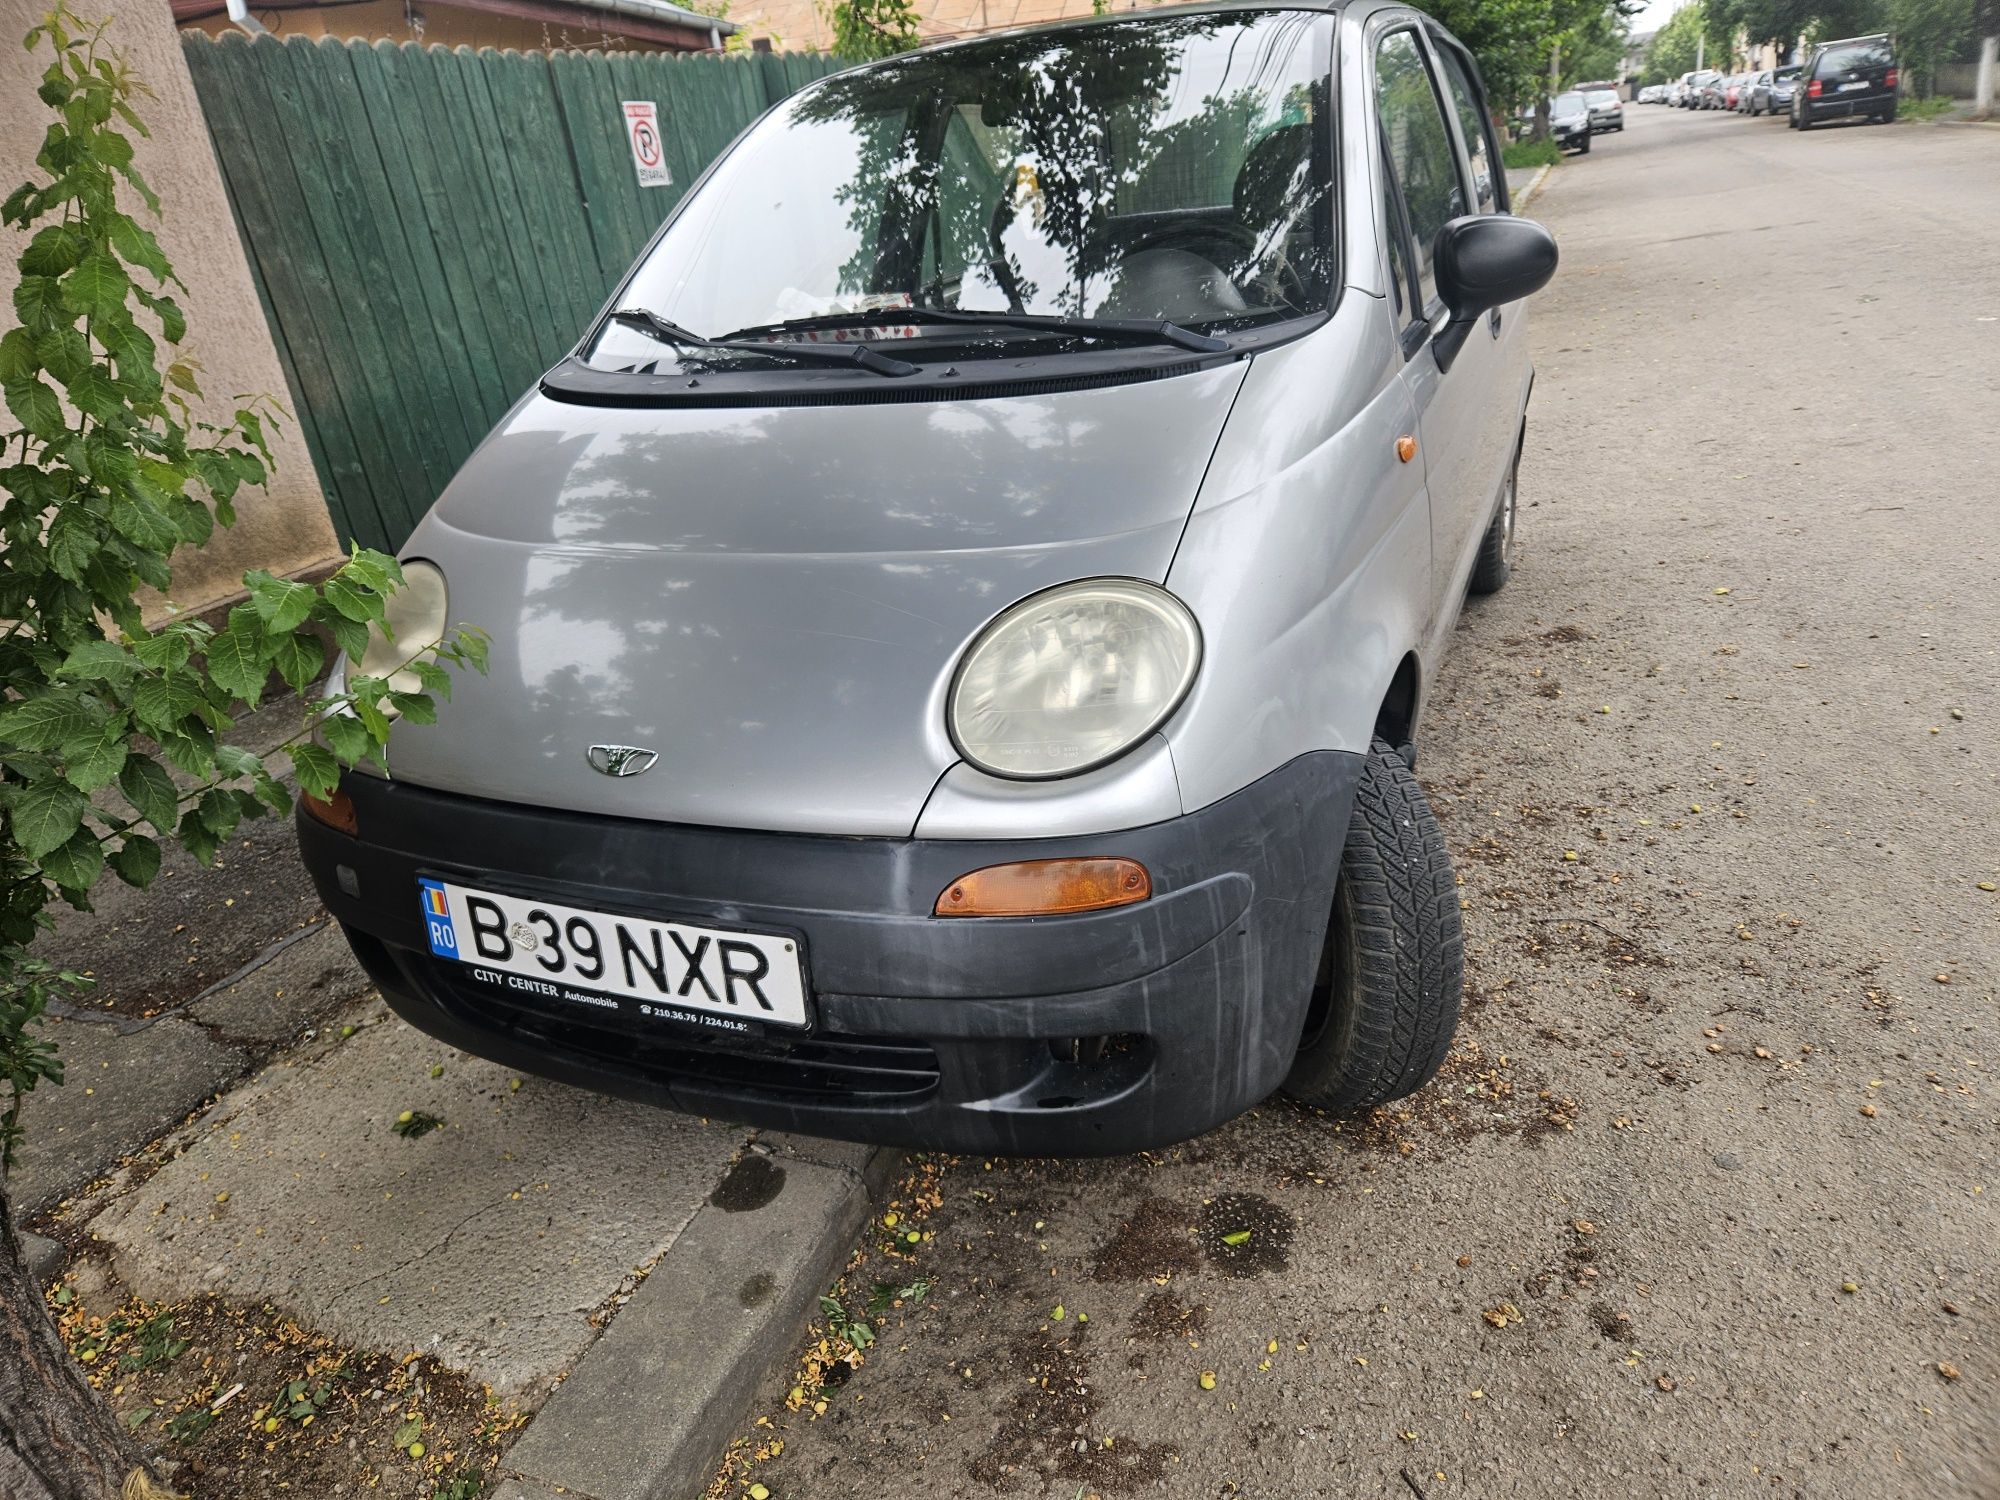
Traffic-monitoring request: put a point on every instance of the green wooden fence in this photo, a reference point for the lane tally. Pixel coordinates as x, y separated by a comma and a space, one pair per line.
430, 229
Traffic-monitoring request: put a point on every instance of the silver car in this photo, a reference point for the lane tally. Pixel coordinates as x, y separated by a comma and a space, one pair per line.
961, 618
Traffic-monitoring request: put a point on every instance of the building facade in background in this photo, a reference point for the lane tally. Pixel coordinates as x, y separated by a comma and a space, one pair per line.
523, 25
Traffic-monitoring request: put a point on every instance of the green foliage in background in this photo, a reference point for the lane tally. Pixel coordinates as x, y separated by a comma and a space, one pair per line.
864, 29
111, 729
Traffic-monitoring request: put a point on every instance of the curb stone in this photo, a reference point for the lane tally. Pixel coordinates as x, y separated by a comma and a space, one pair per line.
1534, 186
650, 1407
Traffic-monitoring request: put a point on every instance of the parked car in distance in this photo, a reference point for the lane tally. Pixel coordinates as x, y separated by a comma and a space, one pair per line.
932, 517
1854, 78
1649, 94
1772, 93
1677, 91
1607, 111
1569, 122
1697, 86
1714, 91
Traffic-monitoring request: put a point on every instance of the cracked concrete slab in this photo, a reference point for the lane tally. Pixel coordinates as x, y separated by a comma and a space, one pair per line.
120, 1089
489, 1242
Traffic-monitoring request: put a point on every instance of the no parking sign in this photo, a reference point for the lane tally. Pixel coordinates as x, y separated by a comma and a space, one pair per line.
642, 129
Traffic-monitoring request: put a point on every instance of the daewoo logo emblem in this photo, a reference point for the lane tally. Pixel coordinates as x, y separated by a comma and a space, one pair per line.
622, 760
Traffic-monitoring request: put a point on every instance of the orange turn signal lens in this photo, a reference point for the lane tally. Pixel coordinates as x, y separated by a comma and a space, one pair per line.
1044, 888
336, 811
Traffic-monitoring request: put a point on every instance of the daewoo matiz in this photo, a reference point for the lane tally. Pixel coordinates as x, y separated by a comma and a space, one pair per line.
960, 618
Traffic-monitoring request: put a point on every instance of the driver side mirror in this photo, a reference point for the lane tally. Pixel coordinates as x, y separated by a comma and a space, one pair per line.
1484, 261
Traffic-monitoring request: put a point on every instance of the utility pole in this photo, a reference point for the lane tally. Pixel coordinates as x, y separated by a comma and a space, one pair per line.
1700, 45
1982, 88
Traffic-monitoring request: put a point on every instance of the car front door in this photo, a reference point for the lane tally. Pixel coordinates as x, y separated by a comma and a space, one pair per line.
1428, 183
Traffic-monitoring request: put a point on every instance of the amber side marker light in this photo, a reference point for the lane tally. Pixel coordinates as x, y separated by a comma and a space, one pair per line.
1045, 887
336, 811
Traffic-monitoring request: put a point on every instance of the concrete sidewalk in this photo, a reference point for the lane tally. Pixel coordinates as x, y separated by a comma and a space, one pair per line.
227, 1126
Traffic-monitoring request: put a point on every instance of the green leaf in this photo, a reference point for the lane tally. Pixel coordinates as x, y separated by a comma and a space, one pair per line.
374, 570
77, 864
100, 661
37, 407
151, 791
317, 770
18, 359
38, 303
63, 352
349, 635
45, 815
357, 604
347, 737
409, 1432
44, 722
239, 662
96, 285
434, 677
136, 244
196, 839
93, 392
1236, 1237
299, 659
219, 812
173, 322
144, 524
53, 250
416, 707
373, 720
162, 703
72, 542
136, 861
170, 648
94, 760
279, 602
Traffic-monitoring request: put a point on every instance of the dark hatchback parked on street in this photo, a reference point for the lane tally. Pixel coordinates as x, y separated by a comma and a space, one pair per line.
1852, 79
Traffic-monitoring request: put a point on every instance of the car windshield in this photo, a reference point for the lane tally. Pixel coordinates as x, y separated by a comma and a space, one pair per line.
1786, 73
1172, 167
1601, 97
1567, 104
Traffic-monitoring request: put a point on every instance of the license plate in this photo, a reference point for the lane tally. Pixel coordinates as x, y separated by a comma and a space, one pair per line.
665, 970
1847, 87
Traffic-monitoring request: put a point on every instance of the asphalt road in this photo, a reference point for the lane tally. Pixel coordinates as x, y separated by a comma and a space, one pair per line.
1708, 1198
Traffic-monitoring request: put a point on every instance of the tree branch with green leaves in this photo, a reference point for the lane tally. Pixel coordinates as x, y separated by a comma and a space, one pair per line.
115, 714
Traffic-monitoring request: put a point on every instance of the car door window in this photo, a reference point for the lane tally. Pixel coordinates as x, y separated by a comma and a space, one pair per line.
1473, 126
1426, 168
1396, 235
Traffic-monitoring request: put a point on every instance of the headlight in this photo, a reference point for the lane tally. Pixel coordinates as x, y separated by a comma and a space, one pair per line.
416, 615
1073, 677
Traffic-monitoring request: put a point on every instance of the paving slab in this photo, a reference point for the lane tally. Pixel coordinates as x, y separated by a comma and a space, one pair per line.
285, 989
491, 1242
121, 1089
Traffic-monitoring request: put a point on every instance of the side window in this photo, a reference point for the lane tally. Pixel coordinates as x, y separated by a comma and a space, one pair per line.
1420, 148
1472, 125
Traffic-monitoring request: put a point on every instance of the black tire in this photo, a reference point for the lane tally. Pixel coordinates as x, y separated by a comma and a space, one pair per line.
1805, 120
1584, 150
1496, 550
1386, 1001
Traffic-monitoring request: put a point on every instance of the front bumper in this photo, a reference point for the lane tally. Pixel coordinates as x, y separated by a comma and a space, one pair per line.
1091, 1034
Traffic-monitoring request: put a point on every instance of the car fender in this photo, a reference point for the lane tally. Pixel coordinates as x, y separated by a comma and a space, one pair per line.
1307, 558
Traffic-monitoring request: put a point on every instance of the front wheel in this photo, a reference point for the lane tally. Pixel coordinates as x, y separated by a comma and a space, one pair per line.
1584, 150
1386, 1000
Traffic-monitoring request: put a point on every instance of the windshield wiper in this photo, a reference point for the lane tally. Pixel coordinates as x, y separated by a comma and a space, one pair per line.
841, 354
1154, 330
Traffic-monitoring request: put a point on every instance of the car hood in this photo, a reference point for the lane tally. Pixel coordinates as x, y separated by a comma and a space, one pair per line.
773, 599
